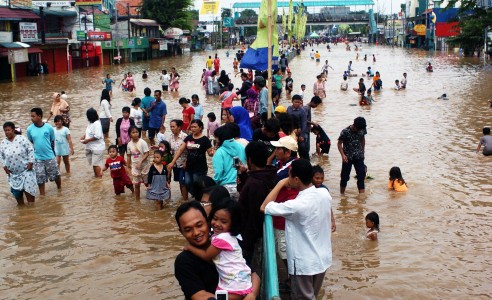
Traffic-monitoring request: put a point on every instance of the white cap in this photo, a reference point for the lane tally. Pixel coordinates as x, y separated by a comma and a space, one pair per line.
286, 142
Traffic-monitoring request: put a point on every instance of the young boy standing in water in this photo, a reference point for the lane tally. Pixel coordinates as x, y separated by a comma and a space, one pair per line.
351, 145
486, 141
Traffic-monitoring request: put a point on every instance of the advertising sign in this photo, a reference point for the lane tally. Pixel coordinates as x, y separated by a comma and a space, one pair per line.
162, 45
209, 11
80, 35
52, 3
88, 2
86, 22
28, 32
98, 36
228, 22
101, 22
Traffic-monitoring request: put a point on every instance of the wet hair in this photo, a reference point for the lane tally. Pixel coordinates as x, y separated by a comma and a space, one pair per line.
395, 174
217, 193
92, 115
58, 118
147, 91
486, 130
318, 169
234, 129
234, 210
197, 122
38, 111
185, 207
136, 101
202, 183
125, 109
113, 147
105, 96
360, 123
211, 116
223, 133
316, 100
183, 100
9, 124
303, 169
373, 217
296, 97
178, 122
258, 153
272, 125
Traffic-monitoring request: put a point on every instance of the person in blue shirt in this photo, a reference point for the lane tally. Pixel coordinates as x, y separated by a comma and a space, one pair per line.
369, 72
109, 83
144, 105
298, 112
158, 116
42, 136
195, 102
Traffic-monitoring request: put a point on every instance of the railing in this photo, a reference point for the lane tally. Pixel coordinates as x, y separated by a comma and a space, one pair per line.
270, 279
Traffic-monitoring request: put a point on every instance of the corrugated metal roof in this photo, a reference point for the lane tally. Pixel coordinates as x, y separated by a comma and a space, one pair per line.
308, 3
16, 14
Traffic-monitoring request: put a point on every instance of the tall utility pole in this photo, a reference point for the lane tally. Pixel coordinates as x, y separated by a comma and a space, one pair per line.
86, 44
128, 13
117, 39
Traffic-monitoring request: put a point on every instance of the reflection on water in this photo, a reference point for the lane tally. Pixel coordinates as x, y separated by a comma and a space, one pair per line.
84, 242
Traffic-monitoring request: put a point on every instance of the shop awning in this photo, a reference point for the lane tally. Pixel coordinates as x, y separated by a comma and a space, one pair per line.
144, 22
15, 45
56, 12
16, 14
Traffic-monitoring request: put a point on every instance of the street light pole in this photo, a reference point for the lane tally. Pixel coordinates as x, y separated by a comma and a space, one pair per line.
86, 44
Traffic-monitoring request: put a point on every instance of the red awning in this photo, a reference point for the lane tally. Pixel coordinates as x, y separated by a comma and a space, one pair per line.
16, 14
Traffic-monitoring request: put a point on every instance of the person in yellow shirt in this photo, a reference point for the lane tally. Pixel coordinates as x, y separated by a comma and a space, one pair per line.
396, 181
317, 56
209, 63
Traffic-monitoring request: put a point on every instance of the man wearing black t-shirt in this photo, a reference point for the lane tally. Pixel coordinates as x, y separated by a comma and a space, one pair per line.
268, 133
198, 278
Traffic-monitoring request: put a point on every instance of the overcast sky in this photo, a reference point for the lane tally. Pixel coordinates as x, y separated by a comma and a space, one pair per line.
386, 4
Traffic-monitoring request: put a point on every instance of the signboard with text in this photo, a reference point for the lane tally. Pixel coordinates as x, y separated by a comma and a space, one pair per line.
18, 56
5, 37
88, 2
209, 11
97, 36
28, 32
52, 3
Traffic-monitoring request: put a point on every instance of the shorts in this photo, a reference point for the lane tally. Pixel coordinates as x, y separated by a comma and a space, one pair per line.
46, 170
140, 175
16, 193
152, 132
165, 88
105, 124
283, 69
179, 175
94, 157
120, 183
122, 149
280, 243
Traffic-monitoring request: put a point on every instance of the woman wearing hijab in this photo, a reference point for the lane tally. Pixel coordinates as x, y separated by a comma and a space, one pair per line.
240, 116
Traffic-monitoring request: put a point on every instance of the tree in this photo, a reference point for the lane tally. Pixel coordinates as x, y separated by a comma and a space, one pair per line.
343, 29
194, 14
169, 13
248, 13
226, 13
472, 20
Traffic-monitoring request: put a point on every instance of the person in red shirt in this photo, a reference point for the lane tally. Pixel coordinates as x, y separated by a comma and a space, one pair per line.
216, 64
188, 113
116, 164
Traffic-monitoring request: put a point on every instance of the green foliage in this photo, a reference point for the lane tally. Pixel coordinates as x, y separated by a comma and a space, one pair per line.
344, 29
248, 13
472, 22
226, 13
169, 13
194, 14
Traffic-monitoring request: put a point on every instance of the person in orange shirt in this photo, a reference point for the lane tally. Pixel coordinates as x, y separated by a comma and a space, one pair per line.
396, 181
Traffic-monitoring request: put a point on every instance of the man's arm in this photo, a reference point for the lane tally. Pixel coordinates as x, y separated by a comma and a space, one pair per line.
340, 149
363, 143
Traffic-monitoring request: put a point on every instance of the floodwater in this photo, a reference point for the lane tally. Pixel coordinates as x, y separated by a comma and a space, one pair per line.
85, 243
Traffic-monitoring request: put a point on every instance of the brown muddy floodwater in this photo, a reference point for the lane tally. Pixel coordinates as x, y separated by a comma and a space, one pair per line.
86, 243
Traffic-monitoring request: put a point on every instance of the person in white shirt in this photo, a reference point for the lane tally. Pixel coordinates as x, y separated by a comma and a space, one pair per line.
301, 92
344, 84
165, 78
403, 82
307, 229
397, 85
312, 54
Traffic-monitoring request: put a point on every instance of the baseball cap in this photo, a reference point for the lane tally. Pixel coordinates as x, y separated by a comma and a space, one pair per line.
281, 109
285, 142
